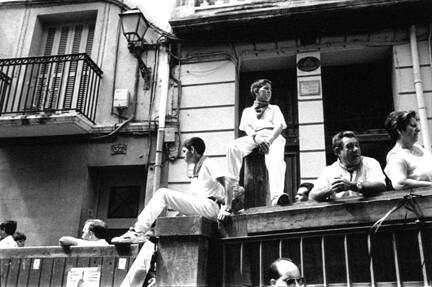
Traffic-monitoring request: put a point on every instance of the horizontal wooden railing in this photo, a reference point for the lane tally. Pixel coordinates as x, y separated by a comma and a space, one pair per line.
57, 266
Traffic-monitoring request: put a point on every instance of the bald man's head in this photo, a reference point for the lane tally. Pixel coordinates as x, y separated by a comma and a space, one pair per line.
283, 272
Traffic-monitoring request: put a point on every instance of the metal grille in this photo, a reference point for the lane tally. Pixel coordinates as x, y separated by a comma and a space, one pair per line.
395, 256
50, 84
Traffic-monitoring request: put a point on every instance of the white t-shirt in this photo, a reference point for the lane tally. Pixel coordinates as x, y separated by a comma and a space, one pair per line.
8, 242
271, 117
416, 163
370, 170
205, 184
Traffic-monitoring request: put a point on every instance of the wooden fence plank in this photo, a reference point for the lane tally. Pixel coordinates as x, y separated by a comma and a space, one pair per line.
14, 271
34, 272
107, 271
58, 270
4, 270
96, 262
70, 262
46, 272
120, 269
24, 272
83, 262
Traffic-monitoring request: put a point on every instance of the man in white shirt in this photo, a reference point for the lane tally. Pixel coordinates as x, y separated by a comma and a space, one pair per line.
93, 234
7, 229
351, 175
207, 194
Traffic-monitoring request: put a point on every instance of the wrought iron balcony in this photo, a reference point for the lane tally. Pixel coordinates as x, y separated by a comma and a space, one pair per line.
49, 86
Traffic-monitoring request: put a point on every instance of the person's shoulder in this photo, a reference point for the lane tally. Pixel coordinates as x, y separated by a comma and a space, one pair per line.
329, 170
369, 160
274, 107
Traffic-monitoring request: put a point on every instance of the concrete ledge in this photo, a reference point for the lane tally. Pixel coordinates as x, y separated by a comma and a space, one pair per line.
185, 226
320, 216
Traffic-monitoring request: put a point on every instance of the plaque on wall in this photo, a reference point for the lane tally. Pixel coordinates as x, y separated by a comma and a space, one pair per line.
310, 88
308, 64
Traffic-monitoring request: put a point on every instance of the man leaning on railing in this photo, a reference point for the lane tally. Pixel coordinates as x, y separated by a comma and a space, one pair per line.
351, 175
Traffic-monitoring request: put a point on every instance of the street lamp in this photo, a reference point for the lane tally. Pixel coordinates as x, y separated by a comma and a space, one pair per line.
135, 28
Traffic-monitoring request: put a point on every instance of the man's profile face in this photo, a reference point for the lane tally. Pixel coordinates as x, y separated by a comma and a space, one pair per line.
350, 154
264, 93
302, 194
86, 232
289, 275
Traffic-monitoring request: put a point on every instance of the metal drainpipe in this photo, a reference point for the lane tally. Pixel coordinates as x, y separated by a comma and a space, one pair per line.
163, 72
421, 107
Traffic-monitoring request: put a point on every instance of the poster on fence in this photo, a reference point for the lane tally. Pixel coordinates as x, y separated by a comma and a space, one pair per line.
83, 277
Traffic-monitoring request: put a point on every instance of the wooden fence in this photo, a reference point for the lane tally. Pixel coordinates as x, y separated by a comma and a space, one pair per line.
50, 266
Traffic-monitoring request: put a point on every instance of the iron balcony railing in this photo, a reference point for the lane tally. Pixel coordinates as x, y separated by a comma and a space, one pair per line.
49, 84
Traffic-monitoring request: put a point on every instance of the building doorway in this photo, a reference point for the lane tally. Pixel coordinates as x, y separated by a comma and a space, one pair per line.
120, 194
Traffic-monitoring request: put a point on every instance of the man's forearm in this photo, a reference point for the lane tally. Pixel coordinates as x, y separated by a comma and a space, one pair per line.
320, 194
276, 132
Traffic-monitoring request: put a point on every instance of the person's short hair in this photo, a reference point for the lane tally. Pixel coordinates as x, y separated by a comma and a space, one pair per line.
273, 271
257, 85
195, 142
308, 185
398, 121
19, 236
98, 227
9, 226
337, 143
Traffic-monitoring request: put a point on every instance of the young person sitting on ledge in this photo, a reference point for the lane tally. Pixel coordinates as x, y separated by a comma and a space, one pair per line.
263, 123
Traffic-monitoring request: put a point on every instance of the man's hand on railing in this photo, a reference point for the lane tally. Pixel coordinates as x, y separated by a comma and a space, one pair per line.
224, 214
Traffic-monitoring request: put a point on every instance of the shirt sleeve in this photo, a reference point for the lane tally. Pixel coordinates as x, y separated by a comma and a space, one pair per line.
278, 117
245, 119
375, 173
395, 168
323, 179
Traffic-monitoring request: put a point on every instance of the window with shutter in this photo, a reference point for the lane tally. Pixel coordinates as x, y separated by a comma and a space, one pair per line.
61, 40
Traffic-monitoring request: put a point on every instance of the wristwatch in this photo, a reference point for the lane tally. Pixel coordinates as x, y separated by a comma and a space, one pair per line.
229, 210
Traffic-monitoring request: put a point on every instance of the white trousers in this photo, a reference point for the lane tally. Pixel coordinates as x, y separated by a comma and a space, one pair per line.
274, 160
179, 201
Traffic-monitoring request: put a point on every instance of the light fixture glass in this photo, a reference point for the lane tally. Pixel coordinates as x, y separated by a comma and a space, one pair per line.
134, 26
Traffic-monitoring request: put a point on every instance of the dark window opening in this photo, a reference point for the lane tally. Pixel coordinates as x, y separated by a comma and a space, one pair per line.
358, 97
123, 201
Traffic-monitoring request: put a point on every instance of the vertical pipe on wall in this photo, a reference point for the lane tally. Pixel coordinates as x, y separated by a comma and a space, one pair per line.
421, 107
163, 72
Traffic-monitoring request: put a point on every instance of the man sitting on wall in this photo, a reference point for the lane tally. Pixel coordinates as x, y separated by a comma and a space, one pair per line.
205, 198
283, 273
263, 124
7, 229
351, 175
93, 234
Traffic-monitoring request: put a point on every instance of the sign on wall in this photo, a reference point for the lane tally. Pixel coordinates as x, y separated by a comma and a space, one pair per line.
83, 277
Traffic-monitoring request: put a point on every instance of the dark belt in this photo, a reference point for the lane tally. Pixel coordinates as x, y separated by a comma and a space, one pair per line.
215, 200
